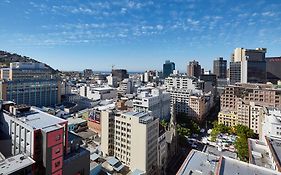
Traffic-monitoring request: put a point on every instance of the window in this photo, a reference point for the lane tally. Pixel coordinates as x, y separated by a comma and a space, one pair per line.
57, 151
57, 164
57, 137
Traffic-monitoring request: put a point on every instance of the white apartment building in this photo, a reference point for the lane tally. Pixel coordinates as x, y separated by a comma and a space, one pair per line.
158, 102
98, 93
132, 138
126, 86
271, 124
188, 96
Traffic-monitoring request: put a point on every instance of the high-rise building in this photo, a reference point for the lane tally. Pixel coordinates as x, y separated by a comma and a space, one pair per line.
27, 71
88, 73
31, 92
220, 67
252, 65
189, 95
126, 86
131, 137
121, 74
158, 102
273, 65
194, 69
44, 138
168, 68
30, 83
243, 103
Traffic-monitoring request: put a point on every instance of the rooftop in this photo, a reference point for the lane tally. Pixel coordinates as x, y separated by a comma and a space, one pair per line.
198, 163
39, 120
15, 163
259, 154
275, 148
236, 167
143, 116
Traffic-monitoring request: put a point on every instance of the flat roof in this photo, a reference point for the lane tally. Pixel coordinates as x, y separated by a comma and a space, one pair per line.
198, 163
259, 154
102, 88
214, 150
38, 119
15, 163
75, 120
275, 144
232, 166
144, 116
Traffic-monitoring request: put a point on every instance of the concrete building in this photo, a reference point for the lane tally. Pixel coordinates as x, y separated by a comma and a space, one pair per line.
252, 65
189, 95
220, 67
243, 103
132, 138
271, 124
14, 165
157, 102
32, 92
88, 73
194, 69
121, 74
26, 71
112, 81
273, 65
126, 87
168, 68
45, 139
204, 163
98, 93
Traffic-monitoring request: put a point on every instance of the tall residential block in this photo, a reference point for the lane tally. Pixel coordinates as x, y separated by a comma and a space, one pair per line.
168, 68
131, 137
194, 69
220, 68
158, 102
190, 96
243, 104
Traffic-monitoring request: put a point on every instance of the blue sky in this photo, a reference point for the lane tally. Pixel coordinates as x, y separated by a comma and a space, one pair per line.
137, 35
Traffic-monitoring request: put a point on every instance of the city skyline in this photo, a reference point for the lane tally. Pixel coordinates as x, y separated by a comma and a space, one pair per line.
75, 35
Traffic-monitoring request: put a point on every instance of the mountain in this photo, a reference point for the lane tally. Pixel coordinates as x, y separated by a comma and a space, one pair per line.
6, 58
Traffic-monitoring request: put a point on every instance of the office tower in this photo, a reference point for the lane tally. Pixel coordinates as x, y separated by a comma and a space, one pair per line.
168, 68
189, 95
121, 74
31, 92
235, 72
273, 66
44, 138
220, 67
194, 69
88, 73
157, 102
27, 71
30, 83
132, 138
242, 104
252, 65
